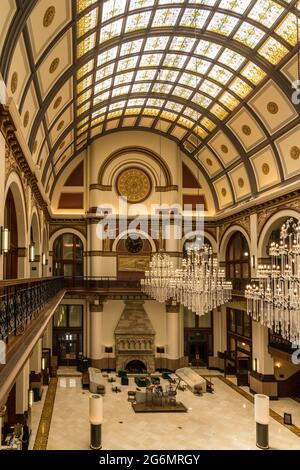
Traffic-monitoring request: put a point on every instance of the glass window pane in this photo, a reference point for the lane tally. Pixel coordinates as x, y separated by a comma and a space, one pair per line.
239, 322
231, 320
78, 249
68, 270
60, 316
79, 269
247, 325
68, 246
245, 273
75, 315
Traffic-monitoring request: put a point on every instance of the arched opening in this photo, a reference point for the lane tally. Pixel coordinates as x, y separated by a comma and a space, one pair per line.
136, 367
10, 259
35, 242
238, 259
68, 256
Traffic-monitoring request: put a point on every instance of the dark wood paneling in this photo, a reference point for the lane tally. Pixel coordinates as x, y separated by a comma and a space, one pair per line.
71, 201
76, 177
194, 200
188, 179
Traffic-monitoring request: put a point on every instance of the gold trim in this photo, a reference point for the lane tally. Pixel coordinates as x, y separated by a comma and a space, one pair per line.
42, 435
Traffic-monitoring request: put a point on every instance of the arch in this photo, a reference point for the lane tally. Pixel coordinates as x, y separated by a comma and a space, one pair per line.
36, 230
266, 231
226, 237
141, 150
62, 231
207, 235
14, 183
141, 233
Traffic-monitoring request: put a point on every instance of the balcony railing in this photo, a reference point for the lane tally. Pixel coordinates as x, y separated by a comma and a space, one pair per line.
239, 285
21, 301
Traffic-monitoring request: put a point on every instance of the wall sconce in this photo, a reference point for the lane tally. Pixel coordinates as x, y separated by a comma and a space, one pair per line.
30, 398
253, 261
31, 252
5, 242
43, 363
255, 365
278, 365
44, 260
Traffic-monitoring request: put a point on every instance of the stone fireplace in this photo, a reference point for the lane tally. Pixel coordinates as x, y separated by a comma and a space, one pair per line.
134, 337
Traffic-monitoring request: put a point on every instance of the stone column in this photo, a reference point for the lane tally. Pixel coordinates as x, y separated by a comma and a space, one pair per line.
173, 336
22, 388
172, 234
36, 358
96, 316
262, 378
253, 245
95, 245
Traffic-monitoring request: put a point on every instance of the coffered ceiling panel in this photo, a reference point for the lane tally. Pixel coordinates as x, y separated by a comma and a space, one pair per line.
265, 167
289, 150
210, 74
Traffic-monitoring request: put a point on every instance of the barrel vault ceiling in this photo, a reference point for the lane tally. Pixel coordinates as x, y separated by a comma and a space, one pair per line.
214, 75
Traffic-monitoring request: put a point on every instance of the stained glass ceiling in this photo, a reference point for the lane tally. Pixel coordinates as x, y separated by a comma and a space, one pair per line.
189, 63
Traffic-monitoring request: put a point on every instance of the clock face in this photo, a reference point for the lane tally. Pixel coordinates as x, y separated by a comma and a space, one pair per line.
134, 245
134, 184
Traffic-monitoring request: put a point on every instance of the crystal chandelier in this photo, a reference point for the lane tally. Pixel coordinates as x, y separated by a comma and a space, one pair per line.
274, 300
199, 285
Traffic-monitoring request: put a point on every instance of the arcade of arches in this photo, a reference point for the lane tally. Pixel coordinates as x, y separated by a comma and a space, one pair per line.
174, 103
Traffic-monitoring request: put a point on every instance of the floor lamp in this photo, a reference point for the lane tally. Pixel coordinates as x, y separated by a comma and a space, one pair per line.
160, 350
108, 350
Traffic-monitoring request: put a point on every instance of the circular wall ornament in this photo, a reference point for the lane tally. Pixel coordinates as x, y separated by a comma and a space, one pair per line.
134, 184
224, 148
57, 102
265, 169
272, 107
134, 245
241, 182
26, 119
49, 16
224, 192
54, 65
209, 162
14, 82
246, 129
60, 125
295, 152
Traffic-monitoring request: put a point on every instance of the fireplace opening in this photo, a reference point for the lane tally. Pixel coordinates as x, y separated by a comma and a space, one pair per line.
136, 367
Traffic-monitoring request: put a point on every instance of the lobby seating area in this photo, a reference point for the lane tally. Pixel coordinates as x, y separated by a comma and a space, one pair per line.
194, 381
96, 380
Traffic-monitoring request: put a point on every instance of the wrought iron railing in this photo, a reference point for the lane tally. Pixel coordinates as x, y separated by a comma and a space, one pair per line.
239, 285
21, 301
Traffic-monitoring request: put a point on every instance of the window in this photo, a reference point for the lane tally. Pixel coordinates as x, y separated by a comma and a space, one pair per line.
237, 257
68, 256
68, 316
239, 322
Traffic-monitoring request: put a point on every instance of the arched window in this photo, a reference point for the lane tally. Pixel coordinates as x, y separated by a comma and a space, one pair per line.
237, 257
68, 256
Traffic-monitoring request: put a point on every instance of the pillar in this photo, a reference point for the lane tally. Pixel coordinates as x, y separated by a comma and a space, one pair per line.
253, 244
96, 316
36, 358
2, 189
174, 337
47, 338
22, 389
172, 234
220, 330
262, 378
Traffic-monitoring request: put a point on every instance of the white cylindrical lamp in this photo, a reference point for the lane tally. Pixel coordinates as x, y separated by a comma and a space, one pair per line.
262, 417
96, 419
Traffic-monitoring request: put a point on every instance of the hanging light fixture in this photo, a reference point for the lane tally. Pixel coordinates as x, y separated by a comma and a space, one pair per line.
5, 242
274, 300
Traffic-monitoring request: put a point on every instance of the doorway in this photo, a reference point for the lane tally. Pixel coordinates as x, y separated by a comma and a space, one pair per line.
68, 345
68, 334
10, 259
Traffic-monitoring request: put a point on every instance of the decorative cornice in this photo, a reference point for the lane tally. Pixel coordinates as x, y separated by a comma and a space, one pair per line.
8, 130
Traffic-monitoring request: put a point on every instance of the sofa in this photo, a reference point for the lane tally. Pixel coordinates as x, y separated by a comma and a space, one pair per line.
194, 381
96, 380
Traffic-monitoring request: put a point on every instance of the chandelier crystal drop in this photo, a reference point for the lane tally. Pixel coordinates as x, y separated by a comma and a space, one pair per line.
199, 285
274, 300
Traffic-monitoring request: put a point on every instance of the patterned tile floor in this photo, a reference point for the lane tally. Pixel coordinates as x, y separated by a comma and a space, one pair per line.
223, 420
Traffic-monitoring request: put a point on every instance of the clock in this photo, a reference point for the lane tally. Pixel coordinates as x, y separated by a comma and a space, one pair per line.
134, 184
134, 245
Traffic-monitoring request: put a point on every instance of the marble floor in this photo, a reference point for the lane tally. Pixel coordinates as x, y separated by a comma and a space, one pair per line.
223, 420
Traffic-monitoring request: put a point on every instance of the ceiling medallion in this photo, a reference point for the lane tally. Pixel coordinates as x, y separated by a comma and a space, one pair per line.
60, 125
224, 148
265, 169
295, 152
26, 119
209, 162
224, 192
272, 107
241, 182
54, 65
49, 16
14, 82
134, 184
246, 130
57, 102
